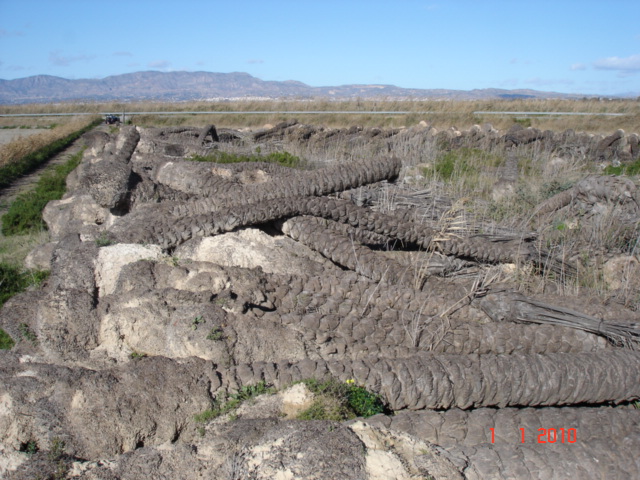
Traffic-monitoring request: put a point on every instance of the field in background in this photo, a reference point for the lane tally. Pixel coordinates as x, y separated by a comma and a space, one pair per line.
604, 116
21, 147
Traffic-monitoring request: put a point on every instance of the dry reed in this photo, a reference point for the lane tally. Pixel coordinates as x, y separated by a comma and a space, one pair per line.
21, 147
439, 113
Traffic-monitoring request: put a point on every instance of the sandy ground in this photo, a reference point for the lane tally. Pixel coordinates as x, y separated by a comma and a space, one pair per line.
8, 134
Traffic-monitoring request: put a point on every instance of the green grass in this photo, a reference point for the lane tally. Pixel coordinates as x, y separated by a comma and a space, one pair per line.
464, 161
25, 213
25, 165
14, 280
6, 342
333, 401
630, 169
281, 158
341, 401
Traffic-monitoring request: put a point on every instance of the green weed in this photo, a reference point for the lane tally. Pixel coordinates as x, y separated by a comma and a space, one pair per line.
30, 447
611, 170
27, 333
14, 280
6, 342
341, 401
56, 451
103, 240
525, 122
465, 161
228, 404
630, 169
216, 334
553, 187
197, 321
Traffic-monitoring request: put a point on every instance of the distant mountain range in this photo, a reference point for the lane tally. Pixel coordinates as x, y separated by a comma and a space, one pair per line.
181, 86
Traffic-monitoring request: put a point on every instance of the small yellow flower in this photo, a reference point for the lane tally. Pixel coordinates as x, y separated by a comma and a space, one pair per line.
351, 381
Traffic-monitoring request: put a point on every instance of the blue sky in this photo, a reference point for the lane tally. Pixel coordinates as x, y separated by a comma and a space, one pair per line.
580, 46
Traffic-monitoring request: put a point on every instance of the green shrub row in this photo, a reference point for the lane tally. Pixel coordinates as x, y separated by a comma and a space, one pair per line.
341, 401
285, 159
461, 162
630, 169
23, 166
25, 213
334, 400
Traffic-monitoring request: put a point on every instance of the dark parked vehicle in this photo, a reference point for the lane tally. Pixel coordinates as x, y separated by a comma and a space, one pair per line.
112, 120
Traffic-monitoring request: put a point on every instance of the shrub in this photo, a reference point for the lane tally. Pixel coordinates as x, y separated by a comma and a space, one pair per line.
216, 334
341, 401
13, 280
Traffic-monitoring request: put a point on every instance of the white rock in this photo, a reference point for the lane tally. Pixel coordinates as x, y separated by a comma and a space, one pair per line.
622, 271
113, 258
251, 248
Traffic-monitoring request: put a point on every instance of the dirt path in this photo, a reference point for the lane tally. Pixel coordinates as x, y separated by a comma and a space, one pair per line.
27, 182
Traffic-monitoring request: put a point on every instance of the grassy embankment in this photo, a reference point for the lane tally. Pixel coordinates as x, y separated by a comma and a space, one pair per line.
23, 155
22, 225
439, 113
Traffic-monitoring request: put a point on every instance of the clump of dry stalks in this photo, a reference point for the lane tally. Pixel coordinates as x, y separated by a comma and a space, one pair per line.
21, 147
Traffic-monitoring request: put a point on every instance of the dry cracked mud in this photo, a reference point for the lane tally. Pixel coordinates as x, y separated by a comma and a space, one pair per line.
175, 282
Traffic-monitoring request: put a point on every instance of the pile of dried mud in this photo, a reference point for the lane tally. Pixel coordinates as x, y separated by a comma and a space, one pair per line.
174, 282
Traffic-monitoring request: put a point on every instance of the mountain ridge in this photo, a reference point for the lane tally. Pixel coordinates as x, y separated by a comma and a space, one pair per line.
200, 85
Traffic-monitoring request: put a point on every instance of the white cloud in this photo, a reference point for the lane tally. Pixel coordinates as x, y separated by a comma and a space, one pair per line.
548, 82
159, 64
7, 33
627, 65
578, 66
508, 83
59, 60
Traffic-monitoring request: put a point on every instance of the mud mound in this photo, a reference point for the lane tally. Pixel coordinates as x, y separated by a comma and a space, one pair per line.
175, 284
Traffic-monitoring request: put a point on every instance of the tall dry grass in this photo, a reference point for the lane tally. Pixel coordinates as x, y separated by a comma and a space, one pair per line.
439, 113
24, 146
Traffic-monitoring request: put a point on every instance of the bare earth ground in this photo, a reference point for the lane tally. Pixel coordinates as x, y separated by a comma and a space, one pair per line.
478, 308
